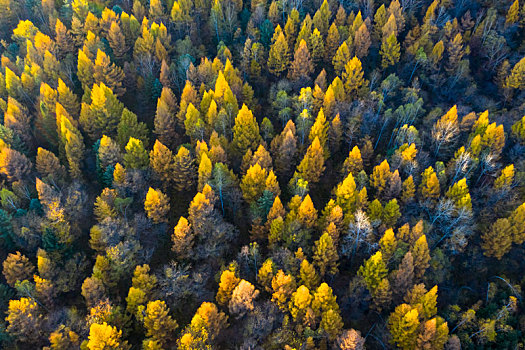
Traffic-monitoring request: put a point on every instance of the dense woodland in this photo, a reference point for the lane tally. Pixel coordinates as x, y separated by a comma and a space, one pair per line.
286, 174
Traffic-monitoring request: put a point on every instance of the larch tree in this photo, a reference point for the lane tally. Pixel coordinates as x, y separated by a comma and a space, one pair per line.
302, 66
353, 77
157, 206
161, 162
245, 131
278, 59
312, 166
183, 170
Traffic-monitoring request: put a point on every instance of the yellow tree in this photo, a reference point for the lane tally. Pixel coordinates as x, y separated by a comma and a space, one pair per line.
341, 58
184, 170
71, 143
325, 255
157, 206
302, 65
429, 187
245, 131
312, 166
498, 240
390, 51
105, 337
353, 76
278, 59
160, 326
161, 162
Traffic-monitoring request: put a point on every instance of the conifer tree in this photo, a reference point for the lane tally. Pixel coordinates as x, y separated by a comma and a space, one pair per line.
253, 183
129, 126
245, 131
341, 58
117, 41
403, 325
373, 271
421, 255
308, 275
183, 170
312, 166
278, 59
498, 240
429, 186
353, 77
104, 336
16, 267
362, 41
516, 78
325, 255
331, 44
390, 51
71, 143
157, 206
136, 156
108, 73
227, 284
159, 325
161, 162
302, 65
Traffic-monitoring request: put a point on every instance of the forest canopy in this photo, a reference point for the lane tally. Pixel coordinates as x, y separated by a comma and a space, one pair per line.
264, 174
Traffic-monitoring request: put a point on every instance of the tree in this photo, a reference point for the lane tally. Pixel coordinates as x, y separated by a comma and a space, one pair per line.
136, 156
108, 73
283, 285
166, 121
245, 131
161, 162
103, 114
341, 58
16, 267
117, 41
278, 59
403, 324
71, 143
445, 130
159, 325
332, 324
227, 285
516, 78
351, 340
18, 119
390, 51
429, 186
103, 336
241, 301
129, 126
460, 195
421, 255
308, 275
374, 270
513, 13
184, 170
381, 177
362, 41
302, 65
48, 165
14, 165
215, 320
325, 255
182, 238
253, 183
498, 240
312, 166
157, 206
24, 320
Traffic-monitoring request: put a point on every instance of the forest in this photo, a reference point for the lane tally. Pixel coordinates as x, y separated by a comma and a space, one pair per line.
262, 174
